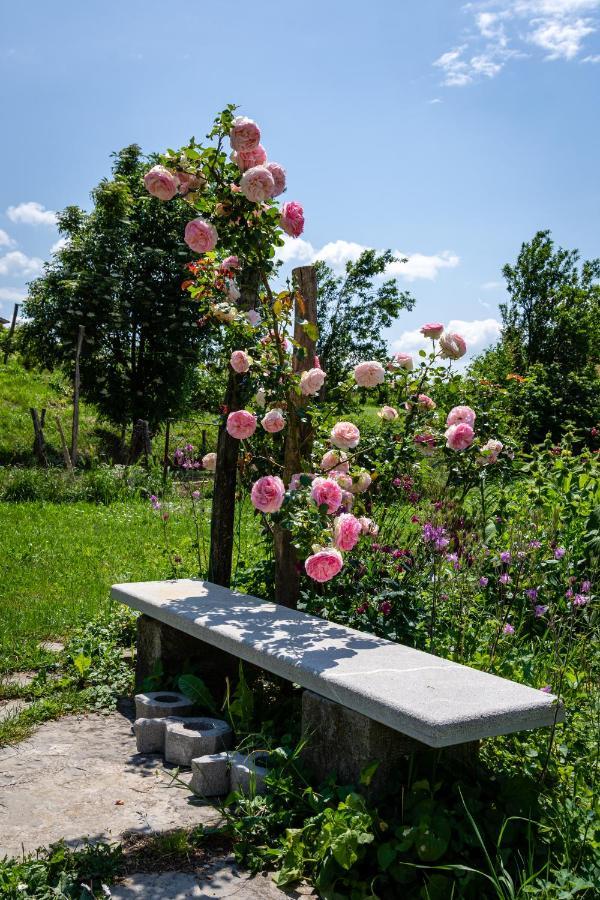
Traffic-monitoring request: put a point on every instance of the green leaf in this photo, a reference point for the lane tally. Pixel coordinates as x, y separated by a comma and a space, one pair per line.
366, 776
195, 689
82, 663
386, 854
310, 329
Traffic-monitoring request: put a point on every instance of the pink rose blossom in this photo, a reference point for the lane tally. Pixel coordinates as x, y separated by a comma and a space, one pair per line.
369, 374
209, 462
345, 435
244, 134
326, 491
230, 262
368, 526
346, 531
347, 501
257, 184
267, 494
253, 317
246, 159
312, 381
187, 183
241, 424
452, 345
233, 291
161, 183
274, 421
459, 437
343, 479
432, 330
362, 483
292, 218
335, 461
240, 361
425, 443
295, 482
460, 414
324, 565
402, 361
388, 413
426, 402
490, 452
278, 173
200, 235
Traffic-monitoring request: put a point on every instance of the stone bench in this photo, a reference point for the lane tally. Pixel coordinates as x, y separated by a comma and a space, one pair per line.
367, 698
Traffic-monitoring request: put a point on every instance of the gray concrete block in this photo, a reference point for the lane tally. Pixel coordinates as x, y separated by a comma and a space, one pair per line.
149, 735
248, 773
210, 775
158, 704
188, 739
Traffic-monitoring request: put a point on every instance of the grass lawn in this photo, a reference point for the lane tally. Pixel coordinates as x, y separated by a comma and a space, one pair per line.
58, 562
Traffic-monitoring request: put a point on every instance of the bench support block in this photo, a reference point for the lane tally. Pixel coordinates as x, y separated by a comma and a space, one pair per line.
344, 742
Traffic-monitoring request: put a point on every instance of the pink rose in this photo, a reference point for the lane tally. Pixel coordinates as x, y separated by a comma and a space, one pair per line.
244, 134
312, 381
346, 531
200, 235
188, 183
253, 317
402, 361
292, 218
295, 482
425, 444
267, 494
233, 291
241, 424
452, 345
240, 361
273, 421
490, 452
426, 402
388, 413
461, 414
345, 435
324, 565
347, 501
369, 374
432, 330
230, 262
209, 462
343, 479
326, 491
257, 184
161, 183
335, 461
368, 526
362, 483
459, 437
278, 173
246, 159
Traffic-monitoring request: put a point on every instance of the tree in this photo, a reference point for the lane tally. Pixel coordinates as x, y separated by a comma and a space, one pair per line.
353, 312
550, 337
120, 274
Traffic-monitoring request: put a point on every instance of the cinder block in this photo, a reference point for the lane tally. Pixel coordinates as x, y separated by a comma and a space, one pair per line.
188, 739
210, 774
158, 704
248, 773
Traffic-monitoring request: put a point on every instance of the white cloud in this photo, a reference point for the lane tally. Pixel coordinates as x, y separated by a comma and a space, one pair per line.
13, 295
16, 263
337, 253
31, 213
502, 30
478, 333
491, 285
591, 59
6, 240
60, 244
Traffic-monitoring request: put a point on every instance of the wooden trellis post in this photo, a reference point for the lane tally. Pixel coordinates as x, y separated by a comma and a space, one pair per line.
298, 436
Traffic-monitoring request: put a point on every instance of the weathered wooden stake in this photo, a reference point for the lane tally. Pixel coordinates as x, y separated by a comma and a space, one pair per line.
63, 443
75, 427
141, 442
38, 435
11, 332
298, 435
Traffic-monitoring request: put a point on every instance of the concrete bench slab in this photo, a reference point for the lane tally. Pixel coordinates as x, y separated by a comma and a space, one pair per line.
433, 700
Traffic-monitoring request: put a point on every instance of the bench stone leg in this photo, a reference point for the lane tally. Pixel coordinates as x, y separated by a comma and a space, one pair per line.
344, 742
178, 652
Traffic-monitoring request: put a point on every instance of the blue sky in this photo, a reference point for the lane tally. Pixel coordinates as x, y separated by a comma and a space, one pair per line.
449, 132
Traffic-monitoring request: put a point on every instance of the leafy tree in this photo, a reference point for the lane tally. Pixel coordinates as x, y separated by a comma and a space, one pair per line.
353, 312
550, 343
120, 274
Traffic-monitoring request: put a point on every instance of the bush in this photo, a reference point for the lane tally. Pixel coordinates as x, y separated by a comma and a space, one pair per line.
103, 484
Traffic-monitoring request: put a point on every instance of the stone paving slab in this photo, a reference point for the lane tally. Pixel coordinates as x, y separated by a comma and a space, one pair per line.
10, 708
81, 776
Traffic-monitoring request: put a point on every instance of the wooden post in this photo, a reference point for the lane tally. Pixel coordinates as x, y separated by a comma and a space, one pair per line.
11, 331
298, 437
38, 435
63, 443
75, 428
166, 453
224, 487
140, 441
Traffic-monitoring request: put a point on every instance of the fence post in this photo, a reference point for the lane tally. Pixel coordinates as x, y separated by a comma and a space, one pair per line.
298, 435
75, 428
63, 443
11, 331
38, 435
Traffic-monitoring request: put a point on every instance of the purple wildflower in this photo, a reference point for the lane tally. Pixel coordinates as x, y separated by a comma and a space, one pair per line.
540, 610
546, 689
483, 581
535, 545
505, 578
586, 587
508, 629
569, 593
453, 558
580, 600
559, 552
531, 594
195, 495
156, 504
505, 556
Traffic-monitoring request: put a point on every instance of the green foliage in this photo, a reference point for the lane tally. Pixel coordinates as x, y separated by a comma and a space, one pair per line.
120, 275
101, 484
195, 689
60, 873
